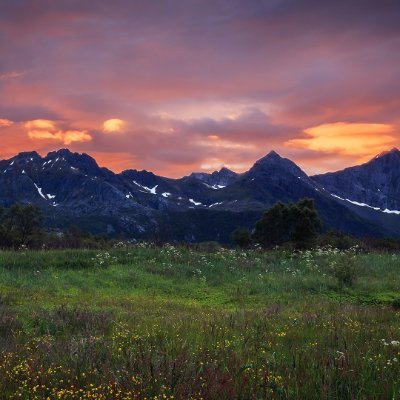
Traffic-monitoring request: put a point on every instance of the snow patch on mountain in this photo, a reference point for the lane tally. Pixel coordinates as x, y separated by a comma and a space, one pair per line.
215, 204
40, 191
196, 203
218, 186
150, 190
387, 211
391, 211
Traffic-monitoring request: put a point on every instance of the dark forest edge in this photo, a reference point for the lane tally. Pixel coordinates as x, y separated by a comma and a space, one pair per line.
293, 226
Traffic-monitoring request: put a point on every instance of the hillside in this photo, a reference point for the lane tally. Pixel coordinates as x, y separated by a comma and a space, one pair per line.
71, 188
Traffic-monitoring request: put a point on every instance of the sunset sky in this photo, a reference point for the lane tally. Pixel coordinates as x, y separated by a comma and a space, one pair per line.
190, 85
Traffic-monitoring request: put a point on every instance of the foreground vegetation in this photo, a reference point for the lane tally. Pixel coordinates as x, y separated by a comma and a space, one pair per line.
147, 323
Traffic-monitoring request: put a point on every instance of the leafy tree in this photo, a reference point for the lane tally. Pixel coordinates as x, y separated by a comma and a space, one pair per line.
241, 237
19, 225
273, 228
295, 222
27, 221
305, 223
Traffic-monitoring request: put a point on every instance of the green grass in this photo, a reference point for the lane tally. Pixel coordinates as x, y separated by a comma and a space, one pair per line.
142, 322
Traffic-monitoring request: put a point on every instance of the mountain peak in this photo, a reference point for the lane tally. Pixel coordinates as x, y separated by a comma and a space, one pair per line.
64, 153
27, 154
225, 169
274, 164
394, 150
223, 177
272, 156
77, 160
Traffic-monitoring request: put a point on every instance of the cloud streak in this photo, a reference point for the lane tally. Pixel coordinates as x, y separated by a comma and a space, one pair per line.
353, 139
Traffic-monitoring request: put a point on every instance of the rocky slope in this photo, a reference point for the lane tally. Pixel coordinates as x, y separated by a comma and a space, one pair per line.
72, 189
375, 183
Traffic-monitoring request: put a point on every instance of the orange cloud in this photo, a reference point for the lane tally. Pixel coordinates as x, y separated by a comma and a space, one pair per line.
75, 136
40, 124
113, 125
362, 140
5, 122
47, 129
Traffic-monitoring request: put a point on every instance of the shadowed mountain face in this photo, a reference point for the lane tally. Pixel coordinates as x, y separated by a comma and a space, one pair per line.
71, 188
376, 183
370, 190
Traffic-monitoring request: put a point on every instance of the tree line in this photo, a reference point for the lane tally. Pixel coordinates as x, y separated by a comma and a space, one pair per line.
293, 225
21, 227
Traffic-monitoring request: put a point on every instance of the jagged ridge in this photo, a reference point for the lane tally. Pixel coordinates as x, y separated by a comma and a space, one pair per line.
72, 188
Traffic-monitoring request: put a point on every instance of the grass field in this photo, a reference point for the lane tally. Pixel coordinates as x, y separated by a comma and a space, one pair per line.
150, 323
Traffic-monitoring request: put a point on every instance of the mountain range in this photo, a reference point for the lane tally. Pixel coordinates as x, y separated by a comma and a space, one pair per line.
71, 188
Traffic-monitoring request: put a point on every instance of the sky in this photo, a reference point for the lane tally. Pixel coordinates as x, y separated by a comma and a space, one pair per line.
193, 85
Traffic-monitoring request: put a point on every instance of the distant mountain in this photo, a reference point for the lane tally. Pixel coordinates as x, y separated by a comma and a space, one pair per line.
217, 179
274, 178
370, 190
376, 183
71, 188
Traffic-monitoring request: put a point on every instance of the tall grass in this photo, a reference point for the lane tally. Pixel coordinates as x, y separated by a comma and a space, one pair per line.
148, 323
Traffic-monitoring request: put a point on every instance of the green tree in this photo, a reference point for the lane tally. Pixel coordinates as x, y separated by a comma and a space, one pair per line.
305, 223
20, 225
273, 228
241, 237
295, 222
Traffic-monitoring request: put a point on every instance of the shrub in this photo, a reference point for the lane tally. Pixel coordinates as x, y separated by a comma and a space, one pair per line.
396, 303
345, 269
241, 237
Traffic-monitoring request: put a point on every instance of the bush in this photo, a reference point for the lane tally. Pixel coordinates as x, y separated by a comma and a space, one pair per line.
396, 303
241, 237
339, 240
345, 270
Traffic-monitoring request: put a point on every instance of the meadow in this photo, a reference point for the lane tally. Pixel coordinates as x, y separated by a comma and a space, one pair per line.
140, 322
